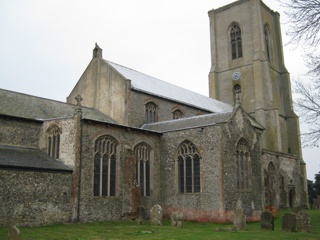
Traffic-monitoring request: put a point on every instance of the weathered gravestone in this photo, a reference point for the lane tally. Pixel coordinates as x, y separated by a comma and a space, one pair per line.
289, 222
267, 220
13, 233
303, 222
141, 212
156, 214
239, 221
177, 219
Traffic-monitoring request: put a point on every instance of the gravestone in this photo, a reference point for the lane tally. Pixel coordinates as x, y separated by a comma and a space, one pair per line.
267, 220
13, 233
289, 222
239, 221
156, 214
303, 222
177, 219
141, 212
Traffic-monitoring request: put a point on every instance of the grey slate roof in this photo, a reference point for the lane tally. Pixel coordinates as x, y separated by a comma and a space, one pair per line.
36, 108
187, 123
145, 83
29, 158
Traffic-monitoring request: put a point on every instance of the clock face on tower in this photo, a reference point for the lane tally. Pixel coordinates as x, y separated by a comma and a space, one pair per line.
236, 76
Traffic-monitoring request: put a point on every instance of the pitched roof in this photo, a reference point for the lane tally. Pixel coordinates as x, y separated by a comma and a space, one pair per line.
187, 123
145, 83
36, 108
29, 158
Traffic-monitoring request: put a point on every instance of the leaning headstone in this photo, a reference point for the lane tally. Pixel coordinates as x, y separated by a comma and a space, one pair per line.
13, 233
267, 221
289, 222
156, 214
141, 212
303, 222
177, 219
239, 221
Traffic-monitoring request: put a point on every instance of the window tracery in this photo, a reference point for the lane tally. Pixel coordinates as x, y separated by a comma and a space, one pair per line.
236, 42
105, 166
53, 141
243, 165
188, 168
151, 114
142, 154
177, 114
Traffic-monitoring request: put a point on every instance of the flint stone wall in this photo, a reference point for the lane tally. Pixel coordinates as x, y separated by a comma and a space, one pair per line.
34, 198
218, 197
98, 208
19, 132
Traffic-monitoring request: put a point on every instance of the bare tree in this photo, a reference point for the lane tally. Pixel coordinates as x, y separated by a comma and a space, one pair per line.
307, 103
304, 19
304, 29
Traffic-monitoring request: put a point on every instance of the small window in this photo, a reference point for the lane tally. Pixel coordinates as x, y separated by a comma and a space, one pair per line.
236, 42
237, 93
188, 168
105, 167
142, 154
267, 40
177, 114
151, 114
243, 166
53, 141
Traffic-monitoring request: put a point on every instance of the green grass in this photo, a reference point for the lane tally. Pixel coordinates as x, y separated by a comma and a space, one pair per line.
190, 230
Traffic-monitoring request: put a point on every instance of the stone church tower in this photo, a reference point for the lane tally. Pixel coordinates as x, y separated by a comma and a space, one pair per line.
247, 66
247, 60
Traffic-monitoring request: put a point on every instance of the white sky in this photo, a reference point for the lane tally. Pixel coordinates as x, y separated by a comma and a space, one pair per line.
45, 46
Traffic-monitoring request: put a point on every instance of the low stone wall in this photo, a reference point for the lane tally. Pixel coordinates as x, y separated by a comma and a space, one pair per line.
31, 198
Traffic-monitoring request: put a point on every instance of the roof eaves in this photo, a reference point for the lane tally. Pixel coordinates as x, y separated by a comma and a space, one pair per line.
26, 168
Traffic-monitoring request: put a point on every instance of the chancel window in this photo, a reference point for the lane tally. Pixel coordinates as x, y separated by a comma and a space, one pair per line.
105, 166
236, 42
142, 154
188, 168
177, 114
243, 165
151, 114
267, 40
53, 141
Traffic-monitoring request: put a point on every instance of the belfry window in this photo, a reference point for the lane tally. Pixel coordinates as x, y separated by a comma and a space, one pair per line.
243, 165
105, 166
267, 40
142, 154
236, 42
188, 168
151, 114
53, 141
177, 114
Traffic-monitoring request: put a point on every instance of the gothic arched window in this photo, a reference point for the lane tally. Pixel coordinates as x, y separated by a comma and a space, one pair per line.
105, 166
236, 42
53, 141
142, 154
177, 114
188, 168
267, 40
151, 114
243, 165
237, 93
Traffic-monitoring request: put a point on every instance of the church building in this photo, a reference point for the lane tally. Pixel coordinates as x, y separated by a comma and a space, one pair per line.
124, 138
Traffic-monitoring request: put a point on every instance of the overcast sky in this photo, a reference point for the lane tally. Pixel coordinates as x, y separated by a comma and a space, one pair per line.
45, 46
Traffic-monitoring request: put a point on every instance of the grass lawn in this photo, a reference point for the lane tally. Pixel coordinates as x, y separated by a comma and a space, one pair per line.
190, 230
